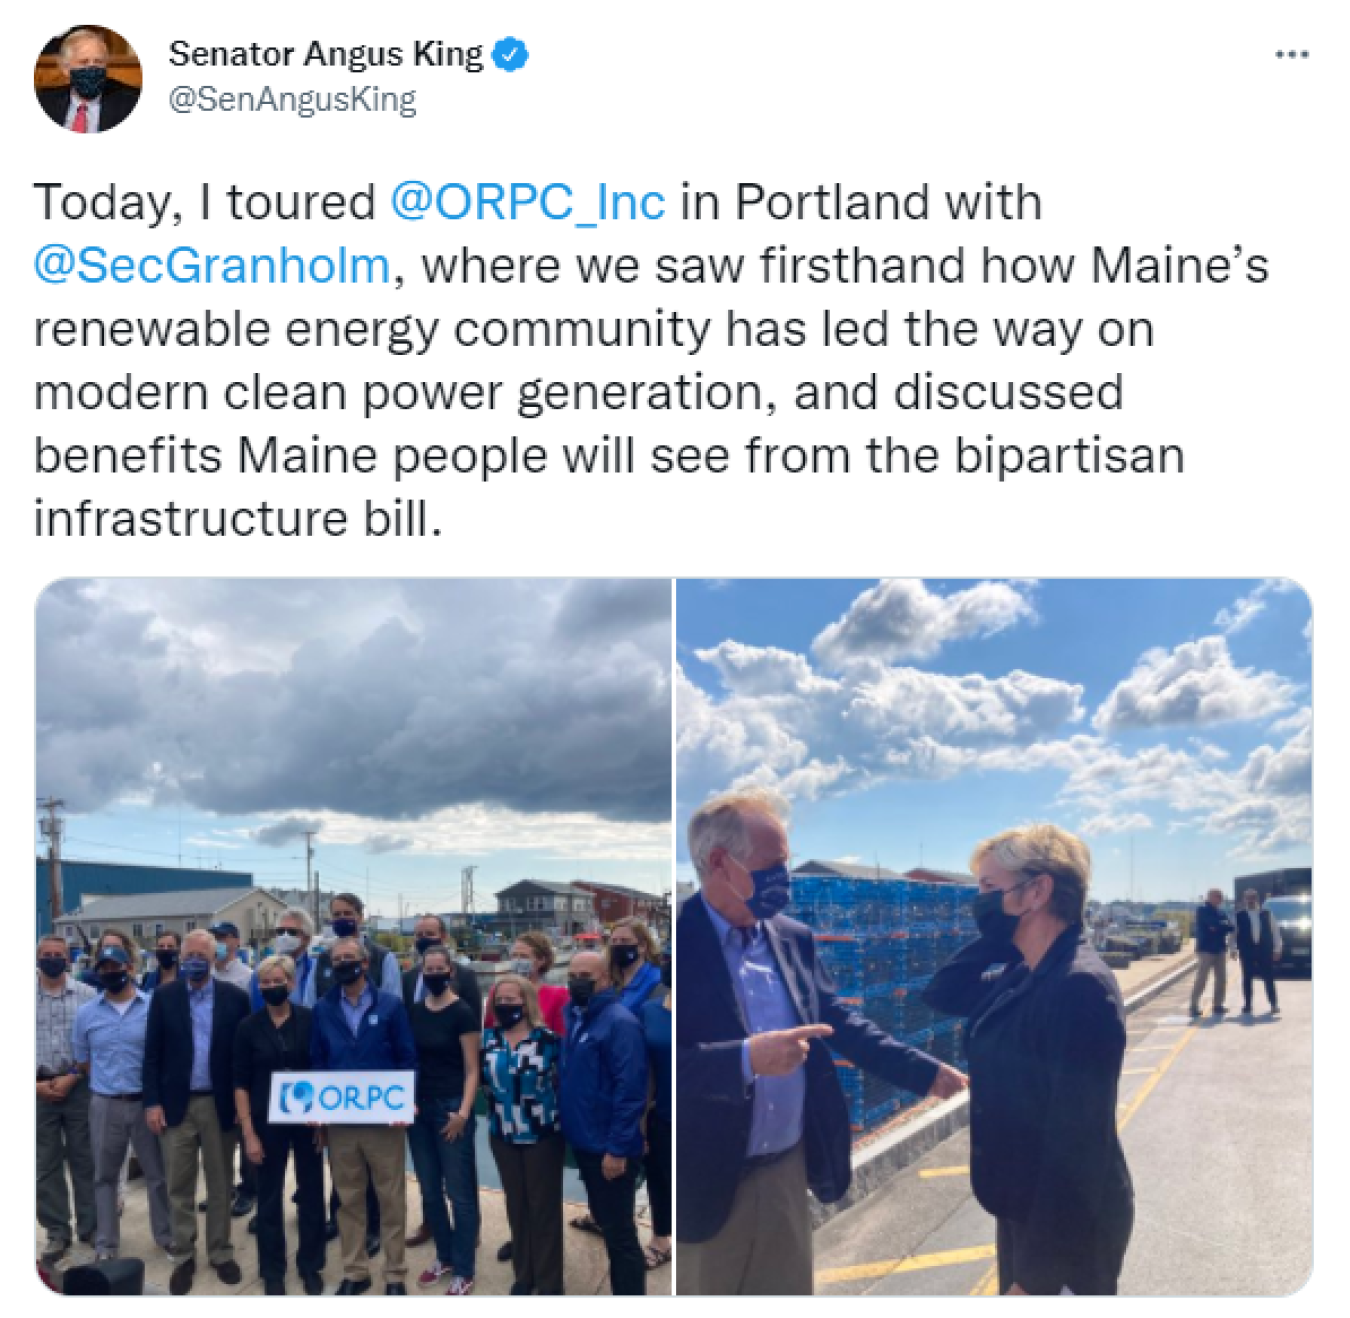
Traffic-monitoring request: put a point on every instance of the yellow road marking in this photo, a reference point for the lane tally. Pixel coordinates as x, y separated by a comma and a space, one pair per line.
1141, 1070
988, 1284
1155, 1048
917, 1263
1151, 1083
930, 1172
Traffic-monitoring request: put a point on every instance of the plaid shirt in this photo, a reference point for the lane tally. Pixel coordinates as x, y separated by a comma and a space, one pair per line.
55, 1024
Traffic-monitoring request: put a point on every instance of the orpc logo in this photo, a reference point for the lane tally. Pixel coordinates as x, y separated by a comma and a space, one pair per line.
297, 1098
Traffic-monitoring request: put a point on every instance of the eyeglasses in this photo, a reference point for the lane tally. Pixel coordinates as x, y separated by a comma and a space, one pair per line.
295, 932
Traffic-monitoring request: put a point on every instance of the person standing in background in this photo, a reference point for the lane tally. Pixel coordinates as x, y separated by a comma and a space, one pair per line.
168, 950
295, 934
656, 1027
532, 957
228, 964
63, 1140
1213, 929
634, 963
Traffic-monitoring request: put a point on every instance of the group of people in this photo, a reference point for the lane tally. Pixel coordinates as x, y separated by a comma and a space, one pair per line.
761, 1112
1253, 938
178, 1069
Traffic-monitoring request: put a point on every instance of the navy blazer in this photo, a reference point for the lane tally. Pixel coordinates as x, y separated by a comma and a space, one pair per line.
714, 1107
1212, 929
118, 101
167, 1077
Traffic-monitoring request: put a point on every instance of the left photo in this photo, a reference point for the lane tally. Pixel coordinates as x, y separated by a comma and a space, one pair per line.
353, 922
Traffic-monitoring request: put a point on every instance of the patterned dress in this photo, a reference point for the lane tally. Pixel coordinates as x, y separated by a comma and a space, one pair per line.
521, 1085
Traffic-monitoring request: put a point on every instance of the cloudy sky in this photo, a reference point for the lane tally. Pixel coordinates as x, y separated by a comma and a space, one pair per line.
522, 726
909, 719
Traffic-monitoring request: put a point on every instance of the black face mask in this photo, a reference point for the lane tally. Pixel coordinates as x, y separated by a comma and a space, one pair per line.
437, 983
167, 957
275, 994
52, 966
509, 1015
668, 974
581, 991
346, 972
625, 954
423, 945
993, 922
344, 928
114, 981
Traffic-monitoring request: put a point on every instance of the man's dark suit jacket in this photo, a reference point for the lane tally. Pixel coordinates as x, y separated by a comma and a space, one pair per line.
714, 1107
167, 1078
1212, 929
119, 100
1261, 952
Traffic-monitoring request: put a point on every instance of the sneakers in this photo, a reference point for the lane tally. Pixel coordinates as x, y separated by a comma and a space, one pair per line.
461, 1286
435, 1271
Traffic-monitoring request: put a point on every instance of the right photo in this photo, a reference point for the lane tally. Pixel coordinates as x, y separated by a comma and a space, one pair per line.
995, 937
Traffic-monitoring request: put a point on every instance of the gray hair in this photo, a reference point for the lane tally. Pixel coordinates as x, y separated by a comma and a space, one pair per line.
1036, 849
720, 822
302, 917
278, 962
73, 39
54, 938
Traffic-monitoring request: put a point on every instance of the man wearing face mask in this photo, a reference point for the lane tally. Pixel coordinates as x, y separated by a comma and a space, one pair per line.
62, 1105
347, 915
603, 1094
357, 1027
189, 1103
228, 964
760, 1113
108, 1045
429, 931
1045, 1037
93, 102
295, 933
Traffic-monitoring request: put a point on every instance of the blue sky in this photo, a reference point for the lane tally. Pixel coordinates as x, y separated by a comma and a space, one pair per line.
417, 725
907, 719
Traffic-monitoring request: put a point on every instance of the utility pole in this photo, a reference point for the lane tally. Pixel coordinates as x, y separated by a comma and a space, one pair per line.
310, 886
466, 893
52, 828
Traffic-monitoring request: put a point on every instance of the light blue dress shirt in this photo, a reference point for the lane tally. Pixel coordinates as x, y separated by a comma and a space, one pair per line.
202, 1005
93, 117
779, 1100
112, 1043
352, 1014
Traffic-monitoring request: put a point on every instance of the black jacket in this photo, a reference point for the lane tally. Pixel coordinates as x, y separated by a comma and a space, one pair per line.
1265, 949
167, 1078
1045, 1049
466, 987
1212, 929
714, 1108
118, 101
261, 1050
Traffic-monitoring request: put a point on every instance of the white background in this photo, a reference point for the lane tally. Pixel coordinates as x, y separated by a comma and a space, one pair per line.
1146, 124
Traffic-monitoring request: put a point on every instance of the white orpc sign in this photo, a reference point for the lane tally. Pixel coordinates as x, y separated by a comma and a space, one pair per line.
342, 1098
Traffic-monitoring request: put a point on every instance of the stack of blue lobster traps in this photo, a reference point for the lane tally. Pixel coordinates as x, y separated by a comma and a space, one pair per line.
881, 939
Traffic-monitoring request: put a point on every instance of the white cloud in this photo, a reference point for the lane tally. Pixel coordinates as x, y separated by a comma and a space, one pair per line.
763, 671
1195, 684
1244, 610
1106, 823
903, 619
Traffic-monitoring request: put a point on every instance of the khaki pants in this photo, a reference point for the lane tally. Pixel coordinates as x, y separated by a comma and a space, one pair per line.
198, 1139
765, 1246
1205, 962
378, 1151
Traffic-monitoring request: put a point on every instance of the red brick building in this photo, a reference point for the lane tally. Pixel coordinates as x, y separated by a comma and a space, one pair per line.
615, 903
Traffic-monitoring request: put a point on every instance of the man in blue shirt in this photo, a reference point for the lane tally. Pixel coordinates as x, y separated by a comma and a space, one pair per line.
358, 1027
108, 1045
603, 1091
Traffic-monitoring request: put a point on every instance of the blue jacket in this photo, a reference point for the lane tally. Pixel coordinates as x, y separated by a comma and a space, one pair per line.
604, 1078
1212, 929
644, 984
383, 1040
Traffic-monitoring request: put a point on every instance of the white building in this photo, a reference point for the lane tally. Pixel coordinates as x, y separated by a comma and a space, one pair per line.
145, 916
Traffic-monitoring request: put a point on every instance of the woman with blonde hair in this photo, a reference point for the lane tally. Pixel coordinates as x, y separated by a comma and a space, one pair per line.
634, 963
532, 957
520, 1061
1045, 1041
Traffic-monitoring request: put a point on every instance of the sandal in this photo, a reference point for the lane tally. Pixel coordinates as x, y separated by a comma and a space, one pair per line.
586, 1223
656, 1258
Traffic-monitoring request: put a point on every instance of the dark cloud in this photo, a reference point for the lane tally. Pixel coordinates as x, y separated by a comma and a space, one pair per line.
388, 700
285, 831
381, 844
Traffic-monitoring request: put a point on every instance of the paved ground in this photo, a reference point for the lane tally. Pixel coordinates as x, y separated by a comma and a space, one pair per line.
587, 1272
1217, 1125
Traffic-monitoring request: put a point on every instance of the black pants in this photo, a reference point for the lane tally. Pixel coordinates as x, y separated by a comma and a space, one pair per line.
658, 1173
372, 1207
1092, 1267
279, 1143
532, 1178
612, 1204
1256, 966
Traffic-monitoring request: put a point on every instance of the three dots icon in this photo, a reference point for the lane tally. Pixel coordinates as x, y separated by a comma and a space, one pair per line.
1291, 54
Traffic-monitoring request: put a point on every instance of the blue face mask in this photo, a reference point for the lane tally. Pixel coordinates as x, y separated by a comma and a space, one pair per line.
196, 967
88, 82
773, 891
221, 951
344, 928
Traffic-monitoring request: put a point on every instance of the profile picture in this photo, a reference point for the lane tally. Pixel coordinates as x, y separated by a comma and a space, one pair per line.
87, 79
